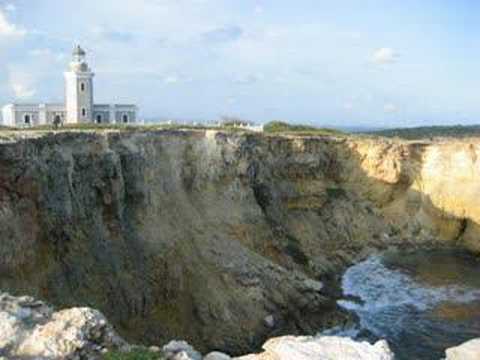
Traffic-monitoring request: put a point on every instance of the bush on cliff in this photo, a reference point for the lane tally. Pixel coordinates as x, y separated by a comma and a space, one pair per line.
123, 127
283, 127
426, 132
138, 354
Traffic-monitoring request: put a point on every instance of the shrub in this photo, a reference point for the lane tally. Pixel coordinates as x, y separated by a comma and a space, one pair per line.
138, 354
283, 127
294, 249
123, 127
336, 193
234, 121
426, 132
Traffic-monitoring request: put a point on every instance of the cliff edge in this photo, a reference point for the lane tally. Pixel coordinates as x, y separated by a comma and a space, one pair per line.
224, 239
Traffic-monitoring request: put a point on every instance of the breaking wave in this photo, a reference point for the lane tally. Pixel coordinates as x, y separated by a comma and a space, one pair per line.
420, 320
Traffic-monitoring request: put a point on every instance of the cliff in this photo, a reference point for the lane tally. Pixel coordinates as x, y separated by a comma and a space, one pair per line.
31, 329
223, 239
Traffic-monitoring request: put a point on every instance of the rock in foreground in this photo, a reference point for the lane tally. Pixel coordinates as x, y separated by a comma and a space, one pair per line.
321, 348
31, 329
467, 351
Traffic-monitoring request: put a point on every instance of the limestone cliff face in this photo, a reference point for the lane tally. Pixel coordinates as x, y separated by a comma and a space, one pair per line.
218, 238
429, 189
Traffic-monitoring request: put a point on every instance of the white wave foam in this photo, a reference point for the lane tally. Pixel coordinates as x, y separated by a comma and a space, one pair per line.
391, 305
381, 288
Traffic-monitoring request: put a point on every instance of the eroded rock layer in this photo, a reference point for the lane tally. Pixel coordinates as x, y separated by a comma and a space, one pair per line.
220, 239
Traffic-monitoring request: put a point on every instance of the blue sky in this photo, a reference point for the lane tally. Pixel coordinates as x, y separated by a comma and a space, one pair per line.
343, 63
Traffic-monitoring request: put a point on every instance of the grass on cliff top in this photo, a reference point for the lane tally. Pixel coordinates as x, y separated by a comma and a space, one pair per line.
274, 127
133, 355
121, 127
279, 127
426, 132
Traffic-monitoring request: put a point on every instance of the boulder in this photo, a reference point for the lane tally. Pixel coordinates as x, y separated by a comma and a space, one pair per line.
467, 351
31, 329
180, 350
217, 356
269, 321
321, 348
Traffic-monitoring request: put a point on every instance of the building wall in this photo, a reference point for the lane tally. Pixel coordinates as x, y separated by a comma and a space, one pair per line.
8, 116
48, 113
130, 112
52, 114
77, 99
20, 118
39, 114
104, 114
44, 114
114, 113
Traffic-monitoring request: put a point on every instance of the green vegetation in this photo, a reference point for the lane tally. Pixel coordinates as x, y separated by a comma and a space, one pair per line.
121, 127
138, 354
234, 121
425, 132
3, 128
274, 127
336, 193
293, 248
283, 127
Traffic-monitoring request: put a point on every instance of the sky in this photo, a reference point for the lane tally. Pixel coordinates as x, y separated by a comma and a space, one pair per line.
375, 63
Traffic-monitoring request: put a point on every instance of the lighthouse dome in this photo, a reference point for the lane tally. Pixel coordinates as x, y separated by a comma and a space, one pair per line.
78, 51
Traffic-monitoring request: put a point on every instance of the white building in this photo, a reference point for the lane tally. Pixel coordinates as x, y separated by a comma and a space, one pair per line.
78, 107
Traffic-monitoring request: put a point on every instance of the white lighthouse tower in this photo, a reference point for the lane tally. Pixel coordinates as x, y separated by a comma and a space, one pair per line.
79, 89
78, 106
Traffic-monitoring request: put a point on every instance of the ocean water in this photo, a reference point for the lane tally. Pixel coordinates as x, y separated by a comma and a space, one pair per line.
420, 302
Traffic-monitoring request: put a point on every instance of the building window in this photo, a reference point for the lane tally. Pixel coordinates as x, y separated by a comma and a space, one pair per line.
57, 120
82, 87
125, 118
84, 112
27, 119
99, 119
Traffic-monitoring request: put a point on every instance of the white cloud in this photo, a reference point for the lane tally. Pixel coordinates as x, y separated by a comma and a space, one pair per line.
224, 34
259, 9
177, 78
249, 78
10, 8
390, 108
22, 84
384, 56
348, 106
22, 91
355, 35
9, 29
171, 79
47, 56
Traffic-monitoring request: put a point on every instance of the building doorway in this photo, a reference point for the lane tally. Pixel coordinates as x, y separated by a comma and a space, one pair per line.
57, 121
125, 118
27, 119
98, 119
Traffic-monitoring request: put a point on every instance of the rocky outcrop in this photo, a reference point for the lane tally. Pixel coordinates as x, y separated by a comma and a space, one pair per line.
176, 350
221, 239
321, 348
30, 329
467, 351
426, 189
